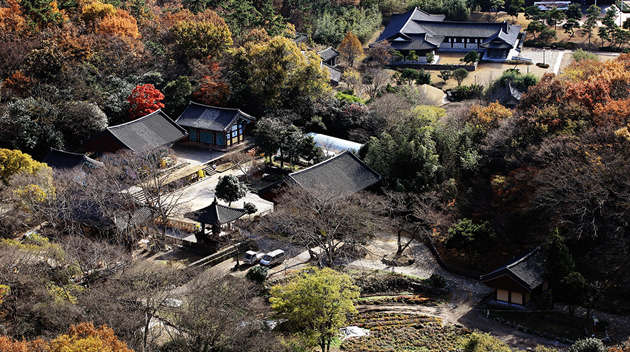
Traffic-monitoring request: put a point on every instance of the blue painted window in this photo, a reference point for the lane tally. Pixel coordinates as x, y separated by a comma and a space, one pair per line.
193, 135
220, 139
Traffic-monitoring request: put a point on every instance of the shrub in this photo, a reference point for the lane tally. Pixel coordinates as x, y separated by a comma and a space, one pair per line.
384, 283
468, 92
349, 98
588, 345
437, 280
541, 65
518, 62
584, 55
541, 44
250, 207
257, 273
396, 55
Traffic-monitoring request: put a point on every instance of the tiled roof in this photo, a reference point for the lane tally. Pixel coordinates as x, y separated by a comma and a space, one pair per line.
215, 214
418, 42
413, 25
328, 53
399, 22
506, 36
468, 29
300, 37
333, 73
210, 118
148, 132
59, 159
341, 175
528, 270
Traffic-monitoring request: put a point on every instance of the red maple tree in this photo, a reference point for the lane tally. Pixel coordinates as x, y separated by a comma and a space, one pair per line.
144, 99
212, 89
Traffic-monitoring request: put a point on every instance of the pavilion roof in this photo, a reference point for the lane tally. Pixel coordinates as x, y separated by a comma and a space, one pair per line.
215, 213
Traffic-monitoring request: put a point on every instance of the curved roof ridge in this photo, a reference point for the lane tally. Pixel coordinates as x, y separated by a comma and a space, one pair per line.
139, 119
212, 106
223, 108
523, 258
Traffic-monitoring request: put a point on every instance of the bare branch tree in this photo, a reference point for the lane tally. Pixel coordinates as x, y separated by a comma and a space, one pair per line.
222, 313
243, 161
322, 220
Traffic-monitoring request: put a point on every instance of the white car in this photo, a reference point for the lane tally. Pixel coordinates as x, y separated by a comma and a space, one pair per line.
252, 257
272, 258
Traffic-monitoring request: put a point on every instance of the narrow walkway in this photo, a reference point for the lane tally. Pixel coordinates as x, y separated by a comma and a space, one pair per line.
555, 68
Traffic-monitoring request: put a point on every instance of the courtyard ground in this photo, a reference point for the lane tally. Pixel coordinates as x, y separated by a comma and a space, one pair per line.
487, 72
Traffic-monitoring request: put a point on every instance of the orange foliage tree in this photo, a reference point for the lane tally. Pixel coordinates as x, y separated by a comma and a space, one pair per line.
212, 89
82, 337
74, 46
9, 345
144, 99
350, 48
18, 83
588, 93
615, 113
488, 117
121, 24
11, 18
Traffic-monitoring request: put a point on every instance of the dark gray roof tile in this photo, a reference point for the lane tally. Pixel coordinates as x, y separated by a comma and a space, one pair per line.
342, 175
210, 118
333, 73
215, 214
145, 133
528, 270
59, 159
412, 24
328, 54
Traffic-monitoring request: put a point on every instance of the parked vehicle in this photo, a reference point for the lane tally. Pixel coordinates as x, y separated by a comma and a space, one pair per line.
252, 257
273, 258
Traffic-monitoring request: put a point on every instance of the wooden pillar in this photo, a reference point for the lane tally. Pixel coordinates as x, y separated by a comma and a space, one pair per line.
216, 229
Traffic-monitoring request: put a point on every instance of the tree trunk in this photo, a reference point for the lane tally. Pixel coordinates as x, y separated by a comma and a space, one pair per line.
145, 338
281, 159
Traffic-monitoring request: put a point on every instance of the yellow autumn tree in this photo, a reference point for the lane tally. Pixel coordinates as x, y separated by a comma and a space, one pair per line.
96, 11
351, 49
205, 35
488, 117
277, 73
14, 161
